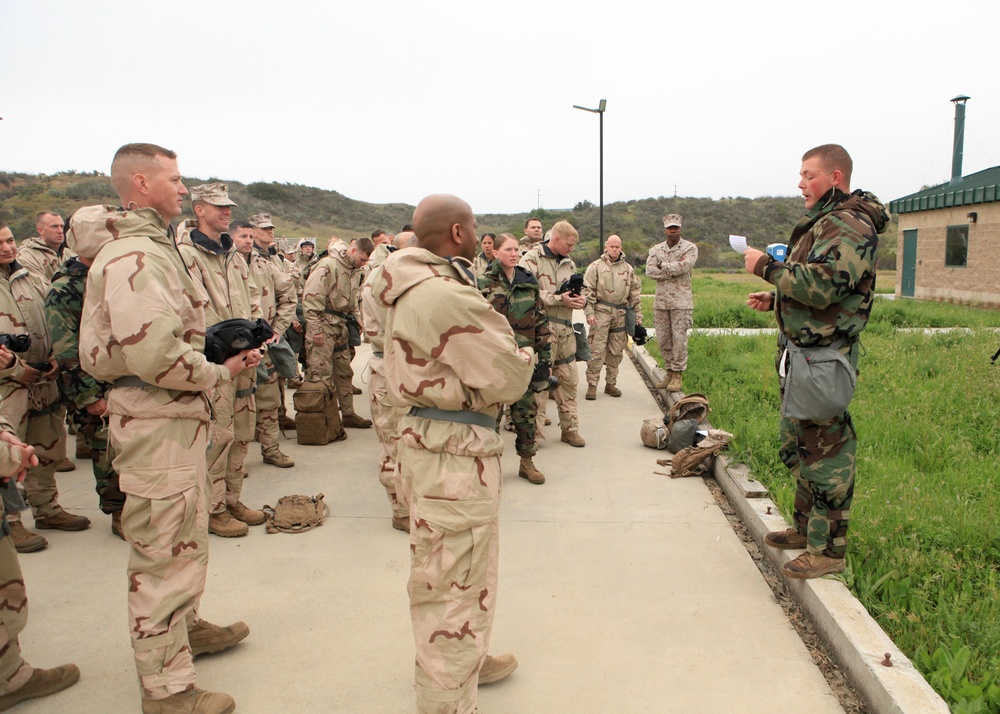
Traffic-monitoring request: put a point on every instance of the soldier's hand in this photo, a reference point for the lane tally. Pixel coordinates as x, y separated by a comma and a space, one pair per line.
52, 371
576, 303
98, 408
24, 454
750, 258
6, 357
297, 326
761, 302
591, 320
239, 362
30, 375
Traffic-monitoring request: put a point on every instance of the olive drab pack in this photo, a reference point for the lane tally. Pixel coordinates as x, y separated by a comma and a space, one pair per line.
296, 514
317, 413
683, 417
697, 459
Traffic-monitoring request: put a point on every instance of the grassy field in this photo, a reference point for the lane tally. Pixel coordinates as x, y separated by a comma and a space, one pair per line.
924, 553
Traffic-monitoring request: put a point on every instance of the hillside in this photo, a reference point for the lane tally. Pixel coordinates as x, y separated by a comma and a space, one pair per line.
305, 211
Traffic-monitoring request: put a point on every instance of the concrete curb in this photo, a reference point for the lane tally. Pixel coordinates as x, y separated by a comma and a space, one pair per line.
855, 639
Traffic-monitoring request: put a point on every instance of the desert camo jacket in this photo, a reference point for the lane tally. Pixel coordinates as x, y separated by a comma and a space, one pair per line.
223, 272
277, 291
63, 310
333, 285
35, 255
144, 316
518, 300
374, 312
671, 269
825, 287
551, 271
613, 281
447, 348
22, 312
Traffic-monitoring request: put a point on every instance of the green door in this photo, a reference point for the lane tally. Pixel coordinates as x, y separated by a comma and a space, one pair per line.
909, 262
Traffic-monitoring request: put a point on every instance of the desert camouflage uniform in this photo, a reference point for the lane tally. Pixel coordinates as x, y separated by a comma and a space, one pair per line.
451, 351
63, 311
385, 417
519, 301
525, 244
551, 271
35, 255
33, 410
480, 265
823, 295
609, 287
144, 331
14, 671
277, 304
225, 277
329, 300
378, 256
672, 305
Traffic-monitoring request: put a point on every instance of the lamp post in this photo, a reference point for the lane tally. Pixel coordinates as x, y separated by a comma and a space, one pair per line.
599, 111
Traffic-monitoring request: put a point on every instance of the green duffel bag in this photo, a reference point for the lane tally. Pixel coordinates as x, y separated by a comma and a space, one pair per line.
283, 358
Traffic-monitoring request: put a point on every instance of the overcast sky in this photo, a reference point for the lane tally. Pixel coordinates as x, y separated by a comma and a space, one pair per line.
389, 101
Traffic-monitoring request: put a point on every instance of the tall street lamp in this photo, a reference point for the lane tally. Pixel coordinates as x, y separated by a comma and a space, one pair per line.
600, 112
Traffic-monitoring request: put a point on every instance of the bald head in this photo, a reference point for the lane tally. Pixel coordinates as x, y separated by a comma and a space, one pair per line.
406, 239
446, 226
613, 247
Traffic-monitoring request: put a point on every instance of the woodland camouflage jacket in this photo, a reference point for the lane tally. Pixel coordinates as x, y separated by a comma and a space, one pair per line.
63, 311
518, 300
551, 271
825, 287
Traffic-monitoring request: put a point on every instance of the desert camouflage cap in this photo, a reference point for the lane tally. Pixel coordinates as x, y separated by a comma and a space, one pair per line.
261, 220
215, 193
672, 219
310, 241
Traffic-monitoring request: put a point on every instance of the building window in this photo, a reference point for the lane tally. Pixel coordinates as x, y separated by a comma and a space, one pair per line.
956, 247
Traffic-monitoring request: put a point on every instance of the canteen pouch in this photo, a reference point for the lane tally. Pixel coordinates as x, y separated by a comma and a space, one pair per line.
582, 346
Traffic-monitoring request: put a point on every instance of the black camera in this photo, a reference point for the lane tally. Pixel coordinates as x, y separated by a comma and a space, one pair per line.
230, 337
16, 343
573, 285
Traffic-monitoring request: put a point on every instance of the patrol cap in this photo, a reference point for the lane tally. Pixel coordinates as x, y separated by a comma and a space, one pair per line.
310, 241
671, 219
91, 227
261, 220
215, 193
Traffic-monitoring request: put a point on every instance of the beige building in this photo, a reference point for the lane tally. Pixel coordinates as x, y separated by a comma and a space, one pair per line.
948, 238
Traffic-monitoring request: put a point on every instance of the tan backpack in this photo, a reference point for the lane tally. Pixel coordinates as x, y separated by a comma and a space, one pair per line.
697, 460
296, 514
317, 413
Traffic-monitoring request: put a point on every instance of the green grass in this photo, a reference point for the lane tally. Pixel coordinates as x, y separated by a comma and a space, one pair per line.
924, 547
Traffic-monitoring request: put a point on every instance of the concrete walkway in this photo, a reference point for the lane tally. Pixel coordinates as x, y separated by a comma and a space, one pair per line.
620, 591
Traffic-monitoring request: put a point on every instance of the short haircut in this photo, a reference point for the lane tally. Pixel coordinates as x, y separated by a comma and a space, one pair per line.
488, 235
532, 219
377, 232
365, 245
407, 229
834, 157
564, 229
38, 217
236, 225
133, 158
501, 239
2, 225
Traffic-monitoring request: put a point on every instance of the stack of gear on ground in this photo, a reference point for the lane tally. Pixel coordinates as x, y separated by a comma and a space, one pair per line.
296, 514
317, 413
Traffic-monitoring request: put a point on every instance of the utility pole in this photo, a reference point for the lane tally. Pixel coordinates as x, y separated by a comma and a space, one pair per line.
599, 111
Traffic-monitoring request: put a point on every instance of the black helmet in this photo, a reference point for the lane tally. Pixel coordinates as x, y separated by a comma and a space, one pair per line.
640, 335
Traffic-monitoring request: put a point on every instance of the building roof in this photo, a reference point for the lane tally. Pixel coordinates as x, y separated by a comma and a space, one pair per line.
980, 187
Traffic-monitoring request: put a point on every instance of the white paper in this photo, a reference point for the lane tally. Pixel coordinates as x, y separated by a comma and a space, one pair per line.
739, 243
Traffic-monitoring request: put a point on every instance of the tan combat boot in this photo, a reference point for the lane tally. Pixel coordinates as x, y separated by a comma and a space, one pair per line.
612, 390
355, 390
591, 392
675, 384
65, 465
354, 421
809, 565
401, 523
224, 525
25, 541
496, 668
573, 438
787, 539
280, 459
527, 470
206, 638
250, 516
193, 701
42, 683
62, 521
663, 383
116, 524
82, 446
